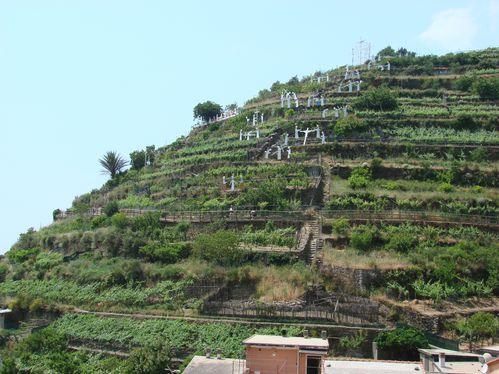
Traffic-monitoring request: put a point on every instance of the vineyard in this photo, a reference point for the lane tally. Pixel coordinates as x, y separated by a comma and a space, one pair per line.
376, 205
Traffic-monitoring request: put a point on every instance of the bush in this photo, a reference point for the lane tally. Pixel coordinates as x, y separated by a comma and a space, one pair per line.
348, 126
381, 99
222, 247
445, 187
21, 255
151, 359
359, 178
478, 327
3, 271
478, 154
363, 237
464, 83
340, 226
401, 343
111, 208
98, 221
120, 221
487, 88
166, 253
47, 260
401, 242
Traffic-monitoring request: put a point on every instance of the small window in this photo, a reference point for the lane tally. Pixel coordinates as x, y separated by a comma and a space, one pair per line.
313, 364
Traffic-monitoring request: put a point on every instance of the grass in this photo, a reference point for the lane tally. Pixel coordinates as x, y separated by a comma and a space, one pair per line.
351, 258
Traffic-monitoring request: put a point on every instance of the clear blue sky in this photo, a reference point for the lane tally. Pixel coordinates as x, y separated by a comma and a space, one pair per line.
78, 78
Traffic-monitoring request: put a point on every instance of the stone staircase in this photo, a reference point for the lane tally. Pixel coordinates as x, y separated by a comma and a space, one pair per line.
316, 242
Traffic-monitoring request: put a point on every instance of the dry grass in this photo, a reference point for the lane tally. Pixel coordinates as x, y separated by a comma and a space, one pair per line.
282, 283
354, 259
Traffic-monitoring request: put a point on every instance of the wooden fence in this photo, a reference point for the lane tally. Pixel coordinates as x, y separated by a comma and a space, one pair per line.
246, 215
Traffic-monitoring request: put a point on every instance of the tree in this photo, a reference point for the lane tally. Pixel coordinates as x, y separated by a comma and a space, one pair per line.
387, 51
221, 247
151, 359
379, 99
487, 88
401, 343
207, 110
478, 327
113, 163
137, 159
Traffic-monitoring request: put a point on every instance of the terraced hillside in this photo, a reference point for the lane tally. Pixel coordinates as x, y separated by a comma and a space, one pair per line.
361, 206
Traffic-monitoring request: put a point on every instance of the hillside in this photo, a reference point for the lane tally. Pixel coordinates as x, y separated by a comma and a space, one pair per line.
369, 197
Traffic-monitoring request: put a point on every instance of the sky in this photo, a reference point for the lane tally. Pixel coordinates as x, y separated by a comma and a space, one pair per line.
79, 78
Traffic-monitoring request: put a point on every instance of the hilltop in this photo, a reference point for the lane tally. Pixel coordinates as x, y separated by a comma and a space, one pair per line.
362, 196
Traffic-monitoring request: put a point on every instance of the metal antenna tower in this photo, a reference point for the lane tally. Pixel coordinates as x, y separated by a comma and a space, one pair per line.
361, 52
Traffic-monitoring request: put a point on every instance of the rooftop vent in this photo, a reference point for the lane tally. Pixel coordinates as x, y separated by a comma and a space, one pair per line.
208, 352
324, 334
305, 333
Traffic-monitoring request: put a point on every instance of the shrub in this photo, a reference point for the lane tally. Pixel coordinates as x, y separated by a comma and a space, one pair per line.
401, 343
47, 260
3, 271
111, 208
401, 242
151, 359
359, 178
56, 213
478, 327
137, 159
289, 113
445, 187
464, 83
487, 88
348, 126
340, 226
222, 247
21, 255
380, 99
98, 221
479, 154
119, 220
166, 253
363, 237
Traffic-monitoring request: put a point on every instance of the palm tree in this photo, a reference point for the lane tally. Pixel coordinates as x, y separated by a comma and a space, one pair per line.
113, 163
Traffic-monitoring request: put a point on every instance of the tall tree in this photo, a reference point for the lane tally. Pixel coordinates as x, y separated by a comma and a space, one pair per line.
207, 110
113, 163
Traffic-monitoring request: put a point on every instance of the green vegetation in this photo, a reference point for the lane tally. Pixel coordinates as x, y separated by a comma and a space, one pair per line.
112, 163
405, 185
401, 343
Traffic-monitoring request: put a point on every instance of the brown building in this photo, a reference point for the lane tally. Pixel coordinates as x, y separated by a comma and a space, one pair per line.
284, 355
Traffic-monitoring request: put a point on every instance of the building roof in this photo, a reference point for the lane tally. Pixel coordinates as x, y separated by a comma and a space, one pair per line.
448, 352
287, 341
467, 367
203, 365
492, 349
344, 366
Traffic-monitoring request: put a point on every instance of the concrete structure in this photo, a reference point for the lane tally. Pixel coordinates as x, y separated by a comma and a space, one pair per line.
358, 366
491, 367
3, 312
493, 350
284, 355
205, 365
446, 361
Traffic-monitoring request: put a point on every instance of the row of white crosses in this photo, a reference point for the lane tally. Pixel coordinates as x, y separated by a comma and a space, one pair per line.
379, 66
276, 150
337, 111
351, 74
350, 86
249, 134
318, 134
257, 117
287, 95
320, 78
225, 115
320, 101
232, 182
